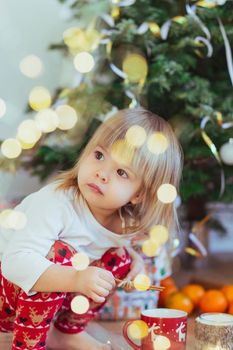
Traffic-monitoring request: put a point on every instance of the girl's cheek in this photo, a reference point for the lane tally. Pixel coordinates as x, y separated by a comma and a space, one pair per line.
122, 192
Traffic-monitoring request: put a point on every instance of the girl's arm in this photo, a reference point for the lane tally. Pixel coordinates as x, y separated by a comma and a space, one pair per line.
24, 261
93, 282
24, 256
58, 278
49, 213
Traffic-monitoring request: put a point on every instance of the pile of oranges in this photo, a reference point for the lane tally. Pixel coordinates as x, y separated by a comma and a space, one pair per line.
194, 297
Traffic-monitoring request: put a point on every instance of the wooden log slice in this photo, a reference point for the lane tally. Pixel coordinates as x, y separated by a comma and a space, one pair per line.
214, 331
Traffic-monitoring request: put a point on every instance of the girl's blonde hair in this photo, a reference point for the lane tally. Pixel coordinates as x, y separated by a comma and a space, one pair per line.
154, 170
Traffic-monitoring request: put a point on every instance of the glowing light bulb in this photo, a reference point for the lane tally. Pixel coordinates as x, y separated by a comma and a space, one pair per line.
28, 132
11, 148
79, 304
159, 234
79, 40
67, 117
25, 145
161, 343
138, 329
122, 152
16, 220
135, 66
136, 136
47, 120
31, 66
141, 282
80, 261
84, 62
3, 218
157, 143
150, 248
167, 193
39, 98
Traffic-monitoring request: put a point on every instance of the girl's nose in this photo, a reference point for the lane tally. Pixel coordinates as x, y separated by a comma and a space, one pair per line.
100, 174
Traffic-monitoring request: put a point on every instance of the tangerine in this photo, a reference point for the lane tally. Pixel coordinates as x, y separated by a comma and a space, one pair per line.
228, 292
165, 293
180, 301
213, 301
194, 292
168, 281
230, 309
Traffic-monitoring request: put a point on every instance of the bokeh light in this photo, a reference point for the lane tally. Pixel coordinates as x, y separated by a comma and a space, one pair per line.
80, 261
79, 40
159, 233
161, 343
31, 66
16, 220
167, 193
141, 282
2, 107
67, 117
138, 329
39, 98
28, 132
136, 68
25, 145
79, 304
157, 143
3, 218
47, 120
84, 62
226, 152
72, 37
150, 248
11, 148
136, 135
122, 152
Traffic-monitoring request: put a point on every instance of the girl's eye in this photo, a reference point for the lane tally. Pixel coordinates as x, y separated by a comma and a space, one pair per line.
99, 155
122, 173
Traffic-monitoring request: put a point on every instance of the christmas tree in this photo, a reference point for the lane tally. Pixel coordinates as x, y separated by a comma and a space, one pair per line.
171, 57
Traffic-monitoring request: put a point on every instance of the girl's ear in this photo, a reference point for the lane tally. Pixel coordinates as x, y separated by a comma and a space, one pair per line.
137, 198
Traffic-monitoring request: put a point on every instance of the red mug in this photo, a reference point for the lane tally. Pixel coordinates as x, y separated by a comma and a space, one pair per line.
167, 329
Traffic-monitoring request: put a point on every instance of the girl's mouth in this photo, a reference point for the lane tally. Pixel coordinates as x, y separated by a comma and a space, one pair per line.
95, 188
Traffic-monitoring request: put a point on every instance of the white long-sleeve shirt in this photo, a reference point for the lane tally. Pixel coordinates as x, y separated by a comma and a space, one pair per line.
51, 215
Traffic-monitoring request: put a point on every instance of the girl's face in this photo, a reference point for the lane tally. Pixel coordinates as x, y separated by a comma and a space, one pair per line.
105, 183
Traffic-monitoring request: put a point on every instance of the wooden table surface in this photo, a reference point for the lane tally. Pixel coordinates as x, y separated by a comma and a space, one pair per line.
190, 335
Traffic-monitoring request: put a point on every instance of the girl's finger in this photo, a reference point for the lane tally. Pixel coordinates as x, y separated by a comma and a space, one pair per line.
105, 284
108, 276
96, 298
101, 291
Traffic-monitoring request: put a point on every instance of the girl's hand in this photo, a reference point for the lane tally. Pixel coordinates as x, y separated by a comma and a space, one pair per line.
95, 283
137, 266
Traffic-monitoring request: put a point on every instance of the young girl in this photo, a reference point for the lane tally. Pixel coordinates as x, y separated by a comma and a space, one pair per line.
97, 207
